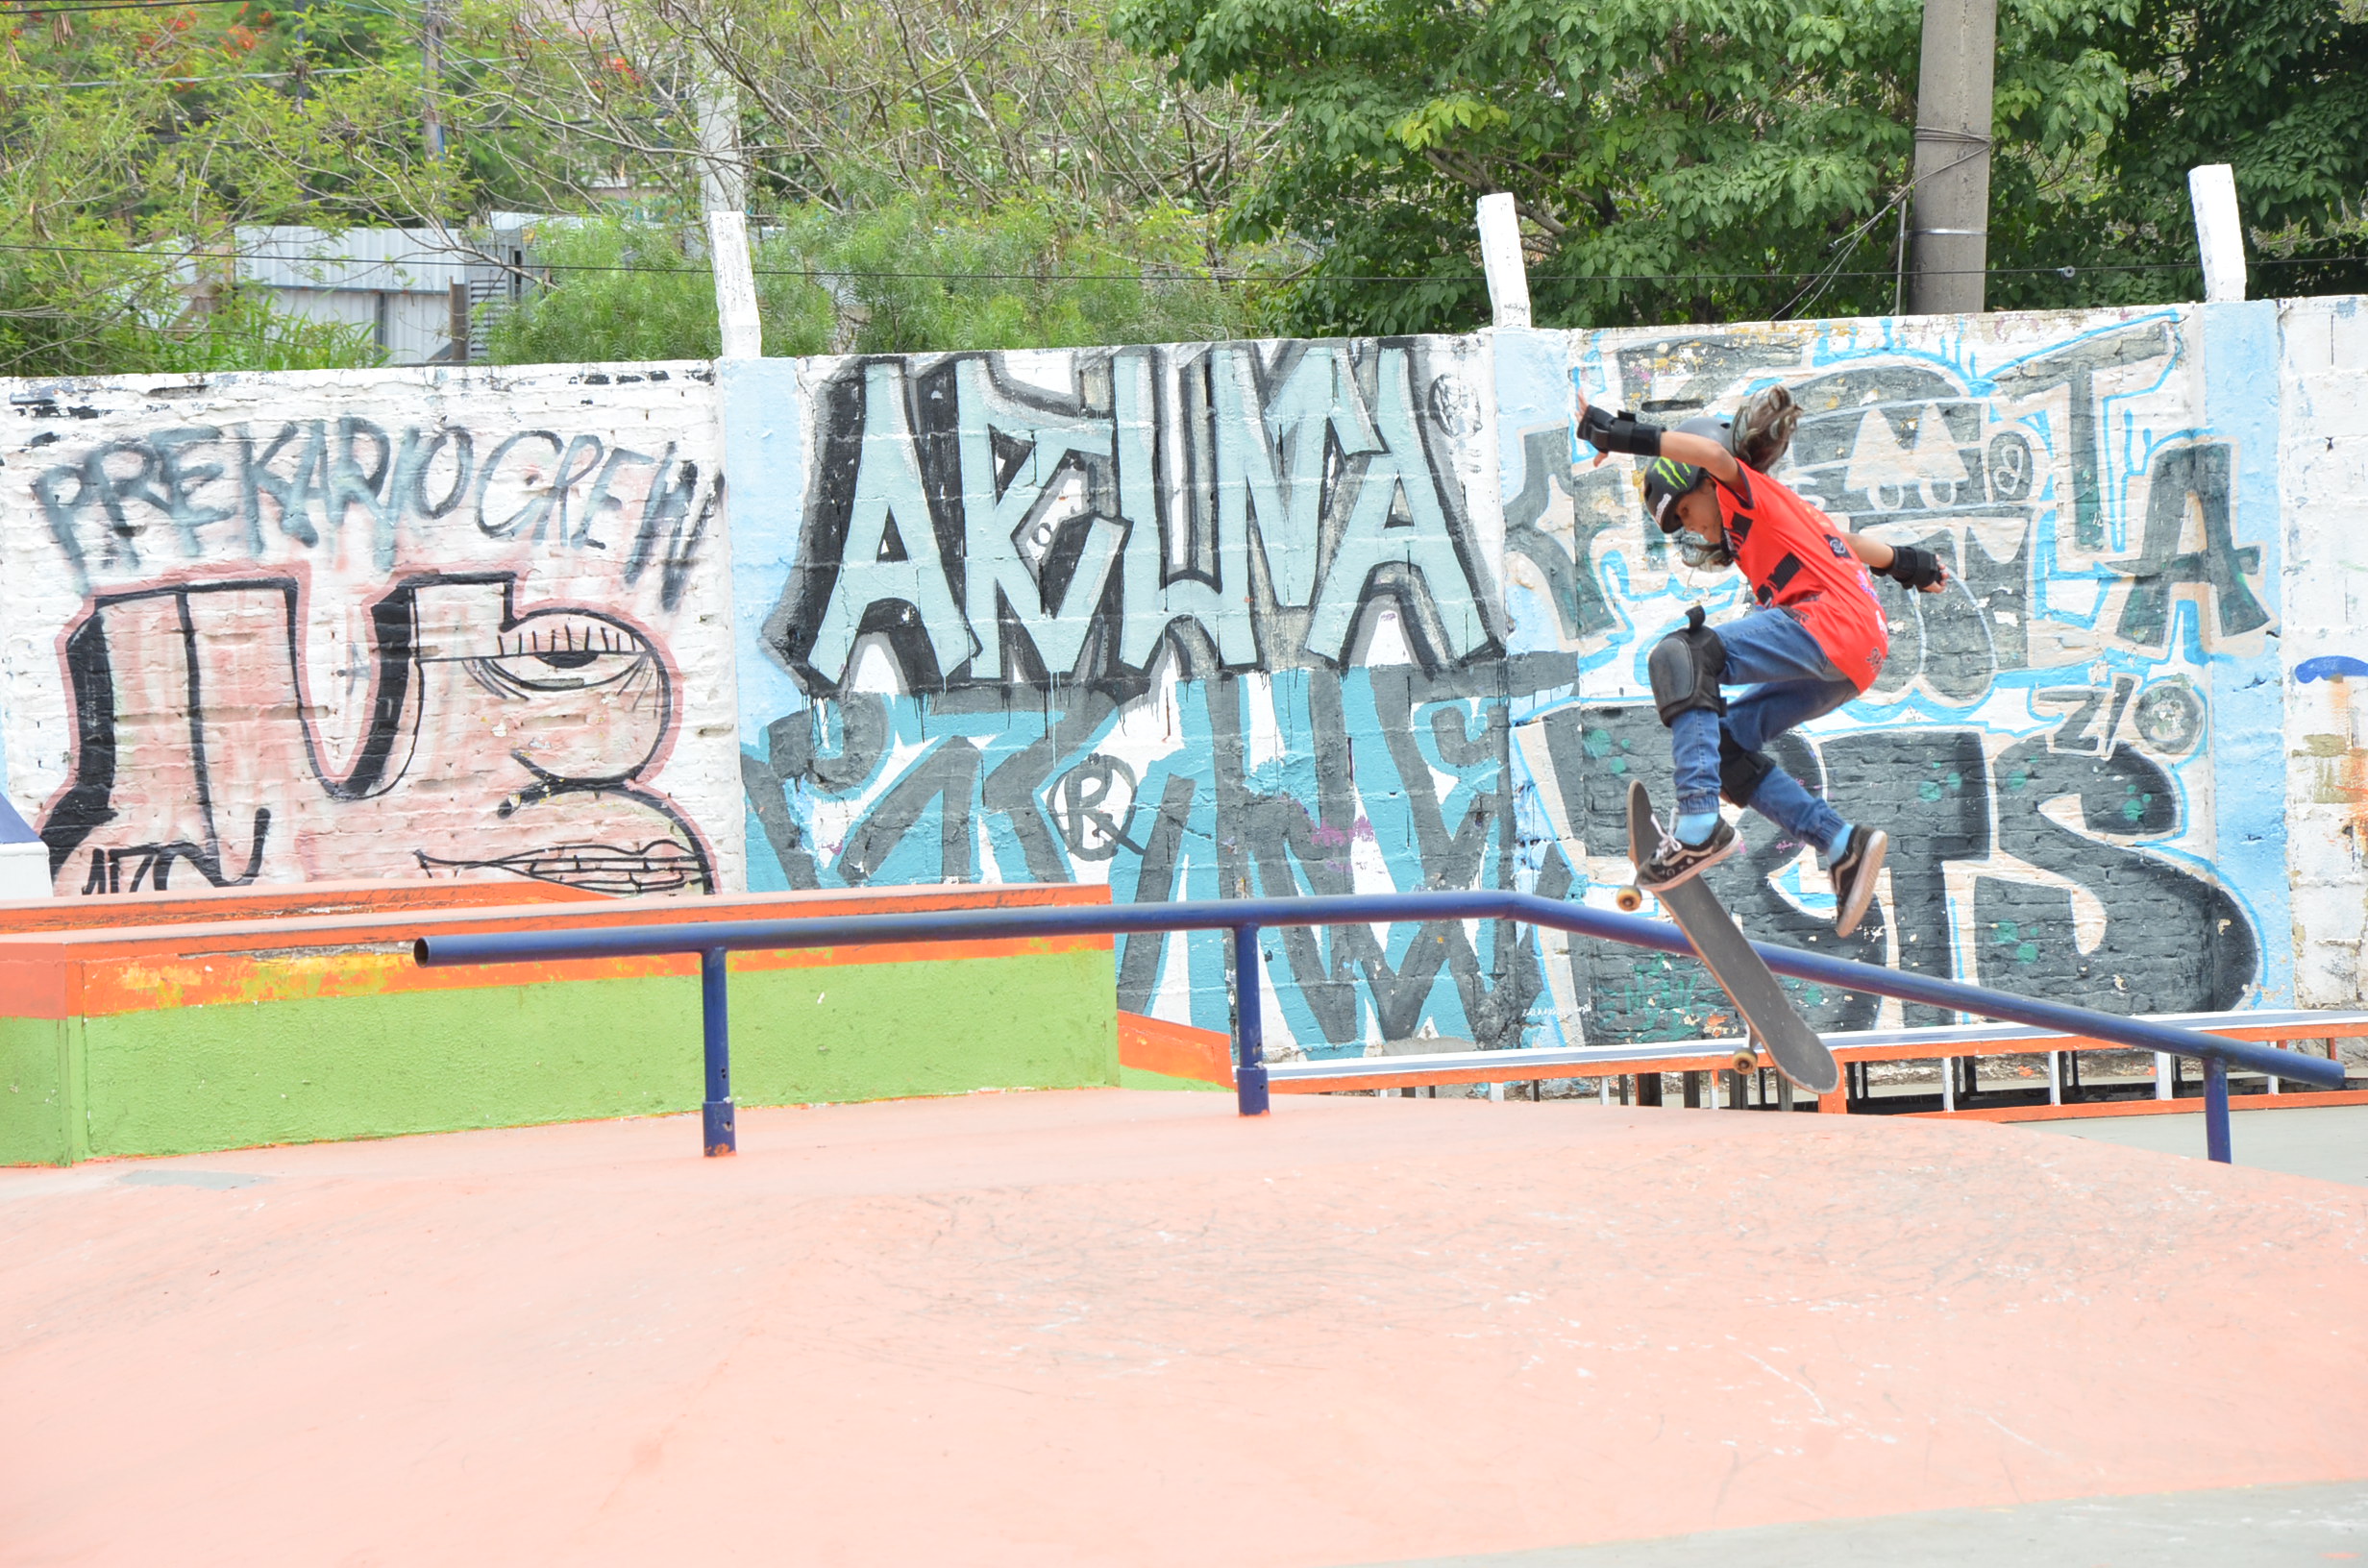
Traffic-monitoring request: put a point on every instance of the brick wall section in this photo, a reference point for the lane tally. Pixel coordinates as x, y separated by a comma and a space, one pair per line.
276, 629
2323, 389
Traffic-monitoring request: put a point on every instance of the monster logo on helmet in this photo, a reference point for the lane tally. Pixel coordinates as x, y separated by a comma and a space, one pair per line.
1666, 479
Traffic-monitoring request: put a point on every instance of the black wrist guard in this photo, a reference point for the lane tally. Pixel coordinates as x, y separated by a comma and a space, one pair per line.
1913, 568
1627, 433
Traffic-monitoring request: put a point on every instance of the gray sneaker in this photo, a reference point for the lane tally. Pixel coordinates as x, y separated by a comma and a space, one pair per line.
1853, 871
1675, 861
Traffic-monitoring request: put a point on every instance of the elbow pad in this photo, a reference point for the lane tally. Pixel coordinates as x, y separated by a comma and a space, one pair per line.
1626, 433
1913, 568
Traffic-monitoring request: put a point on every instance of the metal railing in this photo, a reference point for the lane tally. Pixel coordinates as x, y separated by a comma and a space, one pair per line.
1246, 918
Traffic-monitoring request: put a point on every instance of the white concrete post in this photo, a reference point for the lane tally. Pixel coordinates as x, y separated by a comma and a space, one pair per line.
735, 285
728, 224
2219, 233
1500, 253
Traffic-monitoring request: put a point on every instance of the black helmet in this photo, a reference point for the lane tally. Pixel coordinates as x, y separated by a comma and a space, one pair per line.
1666, 479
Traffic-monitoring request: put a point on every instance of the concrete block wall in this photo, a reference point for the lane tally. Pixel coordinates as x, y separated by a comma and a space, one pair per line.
2323, 395
1193, 621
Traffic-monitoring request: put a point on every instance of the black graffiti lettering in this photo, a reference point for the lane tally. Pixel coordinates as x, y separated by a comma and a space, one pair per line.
1000, 533
1930, 790
417, 462
793, 761
768, 801
304, 480
1954, 646
199, 688
2080, 730
2013, 469
1095, 805
2170, 941
949, 776
674, 524
2076, 368
1578, 597
2184, 477
536, 507
1156, 882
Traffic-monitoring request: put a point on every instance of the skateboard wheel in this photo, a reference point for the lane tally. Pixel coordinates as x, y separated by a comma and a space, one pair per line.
1629, 899
1745, 1062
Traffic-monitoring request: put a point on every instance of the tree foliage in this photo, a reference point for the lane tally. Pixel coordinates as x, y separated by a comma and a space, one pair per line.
906, 277
857, 104
1709, 159
133, 143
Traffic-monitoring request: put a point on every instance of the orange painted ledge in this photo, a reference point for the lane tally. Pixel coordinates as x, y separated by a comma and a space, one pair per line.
303, 900
2186, 1104
98, 971
1178, 1050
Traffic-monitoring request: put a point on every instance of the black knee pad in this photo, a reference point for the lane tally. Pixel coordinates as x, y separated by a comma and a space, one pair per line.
1741, 771
1685, 668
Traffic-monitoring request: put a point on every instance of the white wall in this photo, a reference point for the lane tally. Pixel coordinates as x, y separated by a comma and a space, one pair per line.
2323, 387
388, 624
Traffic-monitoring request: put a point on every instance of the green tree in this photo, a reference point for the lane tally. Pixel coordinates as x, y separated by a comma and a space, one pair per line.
856, 104
2278, 89
1715, 159
906, 277
133, 145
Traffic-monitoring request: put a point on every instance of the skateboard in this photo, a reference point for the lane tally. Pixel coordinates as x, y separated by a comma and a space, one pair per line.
1774, 1023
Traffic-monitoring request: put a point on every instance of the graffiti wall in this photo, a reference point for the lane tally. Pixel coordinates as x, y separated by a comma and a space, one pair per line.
280, 628
1207, 621
2076, 747
1211, 619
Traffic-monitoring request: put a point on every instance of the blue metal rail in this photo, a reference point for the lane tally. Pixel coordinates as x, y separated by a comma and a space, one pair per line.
1244, 917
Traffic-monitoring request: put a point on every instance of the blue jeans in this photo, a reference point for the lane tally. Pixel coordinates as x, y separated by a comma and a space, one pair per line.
1791, 682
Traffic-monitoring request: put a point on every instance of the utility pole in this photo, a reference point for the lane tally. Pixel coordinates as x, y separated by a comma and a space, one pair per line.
723, 195
1949, 249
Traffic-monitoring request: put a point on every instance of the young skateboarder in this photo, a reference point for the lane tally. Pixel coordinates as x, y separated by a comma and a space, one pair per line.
1817, 640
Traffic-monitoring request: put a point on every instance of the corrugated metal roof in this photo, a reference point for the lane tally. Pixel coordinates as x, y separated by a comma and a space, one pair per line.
373, 261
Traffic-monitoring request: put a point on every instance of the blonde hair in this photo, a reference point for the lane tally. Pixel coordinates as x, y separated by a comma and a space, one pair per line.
1764, 427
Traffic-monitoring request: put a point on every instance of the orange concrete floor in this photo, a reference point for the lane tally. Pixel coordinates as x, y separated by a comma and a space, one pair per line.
1104, 1326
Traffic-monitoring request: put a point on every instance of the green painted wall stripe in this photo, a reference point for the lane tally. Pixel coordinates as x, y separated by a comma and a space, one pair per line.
37, 1118
230, 1076
1145, 1078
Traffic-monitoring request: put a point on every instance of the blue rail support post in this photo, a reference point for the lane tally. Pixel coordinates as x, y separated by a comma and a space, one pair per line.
1250, 1065
717, 1134
2216, 1109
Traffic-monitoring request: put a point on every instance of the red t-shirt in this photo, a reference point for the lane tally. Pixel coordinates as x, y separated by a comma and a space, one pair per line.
1798, 560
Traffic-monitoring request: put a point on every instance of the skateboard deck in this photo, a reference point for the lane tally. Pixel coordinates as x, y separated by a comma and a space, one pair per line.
1773, 1020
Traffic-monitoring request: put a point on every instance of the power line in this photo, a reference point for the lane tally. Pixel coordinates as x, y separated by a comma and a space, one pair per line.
298, 8
457, 257
120, 82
